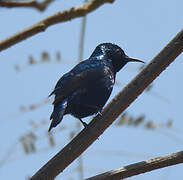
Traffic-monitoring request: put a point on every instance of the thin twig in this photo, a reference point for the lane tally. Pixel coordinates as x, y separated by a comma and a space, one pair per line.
141, 167
51, 20
80, 57
119, 103
41, 6
82, 37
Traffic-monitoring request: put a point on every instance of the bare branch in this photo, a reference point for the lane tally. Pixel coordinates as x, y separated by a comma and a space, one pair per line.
119, 103
51, 20
41, 6
141, 167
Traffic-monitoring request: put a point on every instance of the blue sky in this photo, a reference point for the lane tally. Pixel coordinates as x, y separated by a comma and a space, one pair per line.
142, 28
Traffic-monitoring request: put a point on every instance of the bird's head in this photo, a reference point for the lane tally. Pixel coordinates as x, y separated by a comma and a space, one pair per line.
114, 53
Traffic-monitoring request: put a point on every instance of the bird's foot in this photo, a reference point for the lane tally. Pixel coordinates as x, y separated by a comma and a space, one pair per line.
83, 123
100, 113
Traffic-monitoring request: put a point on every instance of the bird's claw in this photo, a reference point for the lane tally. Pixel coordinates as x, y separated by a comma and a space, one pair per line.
85, 124
100, 113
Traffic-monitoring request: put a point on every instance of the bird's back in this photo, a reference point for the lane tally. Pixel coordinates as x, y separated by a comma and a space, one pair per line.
90, 99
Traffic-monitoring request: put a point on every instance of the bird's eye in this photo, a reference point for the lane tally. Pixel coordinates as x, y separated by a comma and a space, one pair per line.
118, 51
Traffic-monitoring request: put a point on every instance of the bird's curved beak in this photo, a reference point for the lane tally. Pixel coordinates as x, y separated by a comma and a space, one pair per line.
128, 59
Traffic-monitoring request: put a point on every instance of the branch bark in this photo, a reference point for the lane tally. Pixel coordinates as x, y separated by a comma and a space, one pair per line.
51, 20
41, 6
141, 167
119, 103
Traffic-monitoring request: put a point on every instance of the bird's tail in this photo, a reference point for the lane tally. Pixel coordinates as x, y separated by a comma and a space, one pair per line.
57, 114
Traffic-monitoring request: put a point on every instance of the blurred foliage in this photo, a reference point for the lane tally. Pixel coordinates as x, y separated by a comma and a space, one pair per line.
32, 107
28, 142
51, 140
44, 122
35, 125
44, 58
129, 120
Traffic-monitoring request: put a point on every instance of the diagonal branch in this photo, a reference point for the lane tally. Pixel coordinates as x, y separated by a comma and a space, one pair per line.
100, 123
141, 167
51, 20
41, 6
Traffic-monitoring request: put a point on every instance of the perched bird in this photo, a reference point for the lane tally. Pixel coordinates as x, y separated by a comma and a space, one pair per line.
84, 90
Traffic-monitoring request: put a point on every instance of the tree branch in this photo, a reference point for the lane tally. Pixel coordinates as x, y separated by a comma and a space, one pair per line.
119, 103
141, 167
41, 6
51, 20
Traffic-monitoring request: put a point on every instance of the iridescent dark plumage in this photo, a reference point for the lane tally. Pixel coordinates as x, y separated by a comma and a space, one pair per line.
84, 90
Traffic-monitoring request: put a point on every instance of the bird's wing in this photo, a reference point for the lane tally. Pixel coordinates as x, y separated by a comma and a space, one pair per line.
79, 77
60, 83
